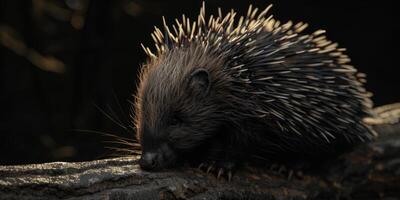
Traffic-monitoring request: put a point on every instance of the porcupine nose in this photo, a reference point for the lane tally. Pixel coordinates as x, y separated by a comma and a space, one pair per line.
148, 161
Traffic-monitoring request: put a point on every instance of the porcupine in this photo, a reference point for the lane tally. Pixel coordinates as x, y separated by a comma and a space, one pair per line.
222, 91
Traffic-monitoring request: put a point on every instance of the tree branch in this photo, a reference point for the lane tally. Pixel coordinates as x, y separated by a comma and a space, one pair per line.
371, 171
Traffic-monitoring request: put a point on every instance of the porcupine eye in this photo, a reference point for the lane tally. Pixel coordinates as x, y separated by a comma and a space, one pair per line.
175, 120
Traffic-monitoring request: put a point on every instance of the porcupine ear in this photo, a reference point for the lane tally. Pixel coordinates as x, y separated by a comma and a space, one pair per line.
199, 81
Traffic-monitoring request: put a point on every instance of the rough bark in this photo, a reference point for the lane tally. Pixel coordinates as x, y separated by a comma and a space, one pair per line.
371, 171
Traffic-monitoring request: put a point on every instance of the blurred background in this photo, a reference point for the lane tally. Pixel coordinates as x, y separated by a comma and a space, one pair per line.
65, 62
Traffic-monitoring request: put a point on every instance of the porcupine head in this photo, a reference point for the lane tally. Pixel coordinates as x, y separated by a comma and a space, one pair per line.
222, 87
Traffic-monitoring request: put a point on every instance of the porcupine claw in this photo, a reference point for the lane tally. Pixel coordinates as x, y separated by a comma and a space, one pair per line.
229, 176
201, 166
220, 172
290, 174
210, 168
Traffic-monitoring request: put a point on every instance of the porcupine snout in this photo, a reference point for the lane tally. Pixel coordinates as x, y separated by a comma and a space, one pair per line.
161, 158
148, 161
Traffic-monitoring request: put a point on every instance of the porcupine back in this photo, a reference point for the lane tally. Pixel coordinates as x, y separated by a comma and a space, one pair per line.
291, 91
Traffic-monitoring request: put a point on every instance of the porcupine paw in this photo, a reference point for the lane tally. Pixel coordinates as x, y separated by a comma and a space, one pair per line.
221, 169
285, 171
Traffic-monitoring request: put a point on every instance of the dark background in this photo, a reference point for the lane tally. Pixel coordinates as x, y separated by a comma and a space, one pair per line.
61, 59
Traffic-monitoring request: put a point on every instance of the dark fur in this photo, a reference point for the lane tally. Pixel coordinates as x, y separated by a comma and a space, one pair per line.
216, 97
